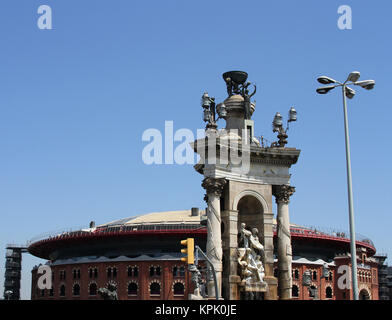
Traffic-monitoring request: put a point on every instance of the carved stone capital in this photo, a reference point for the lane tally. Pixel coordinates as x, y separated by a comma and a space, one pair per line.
213, 185
206, 198
283, 193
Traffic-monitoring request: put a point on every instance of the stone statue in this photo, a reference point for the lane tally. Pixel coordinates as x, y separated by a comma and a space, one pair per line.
255, 244
249, 260
244, 236
247, 104
109, 293
199, 292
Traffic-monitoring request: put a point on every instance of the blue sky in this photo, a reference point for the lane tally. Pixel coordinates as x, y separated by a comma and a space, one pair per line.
75, 101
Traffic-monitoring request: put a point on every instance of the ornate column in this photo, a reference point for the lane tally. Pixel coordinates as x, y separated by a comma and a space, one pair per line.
214, 189
282, 195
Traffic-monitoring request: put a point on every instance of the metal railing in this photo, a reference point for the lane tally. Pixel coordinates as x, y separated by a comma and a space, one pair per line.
76, 232
317, 231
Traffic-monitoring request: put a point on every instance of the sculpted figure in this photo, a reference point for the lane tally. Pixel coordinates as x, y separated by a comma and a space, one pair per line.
244, 235
254, 241
249, 257
252, 269
109, 293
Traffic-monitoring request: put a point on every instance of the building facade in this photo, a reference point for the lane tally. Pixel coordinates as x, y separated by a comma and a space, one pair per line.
142, 257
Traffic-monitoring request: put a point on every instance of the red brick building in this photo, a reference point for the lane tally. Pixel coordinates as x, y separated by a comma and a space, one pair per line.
142, 256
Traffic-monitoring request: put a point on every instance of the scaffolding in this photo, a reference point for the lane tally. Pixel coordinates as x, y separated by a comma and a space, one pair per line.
13, 269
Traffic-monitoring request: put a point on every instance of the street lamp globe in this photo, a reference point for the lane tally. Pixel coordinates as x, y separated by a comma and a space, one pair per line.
278, 122
292, 114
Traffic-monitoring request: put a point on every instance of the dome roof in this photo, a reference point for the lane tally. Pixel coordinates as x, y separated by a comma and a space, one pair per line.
167, 217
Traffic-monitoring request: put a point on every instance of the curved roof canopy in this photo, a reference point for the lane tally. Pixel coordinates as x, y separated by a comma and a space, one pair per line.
167, 217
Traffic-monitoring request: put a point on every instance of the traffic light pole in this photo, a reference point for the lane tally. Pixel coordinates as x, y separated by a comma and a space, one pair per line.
212, 268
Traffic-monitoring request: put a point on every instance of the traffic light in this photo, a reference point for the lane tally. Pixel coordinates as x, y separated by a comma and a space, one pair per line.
189, 251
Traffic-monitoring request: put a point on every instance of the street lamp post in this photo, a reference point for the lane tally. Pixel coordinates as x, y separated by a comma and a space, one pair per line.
349, 93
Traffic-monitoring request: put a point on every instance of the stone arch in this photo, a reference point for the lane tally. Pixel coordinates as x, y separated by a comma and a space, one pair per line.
76, 289
253, 193
92, 288
178, 283
155, 287
62, 290
328, 292
251, 210
364, 293
295, 291
132, 288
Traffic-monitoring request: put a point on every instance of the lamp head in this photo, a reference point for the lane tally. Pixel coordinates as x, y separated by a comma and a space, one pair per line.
366, 84
354, 76
292, 114
350, 93
277, 123
325, 90
206, 115
205, 101
221, 109
326, 80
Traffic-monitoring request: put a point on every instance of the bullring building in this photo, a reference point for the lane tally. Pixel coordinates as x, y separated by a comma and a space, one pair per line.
254, 252
142, 256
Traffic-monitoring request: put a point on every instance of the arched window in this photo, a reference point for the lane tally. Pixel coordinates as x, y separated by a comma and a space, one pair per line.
155, 288
76, 273
295, 291
182, 272
178, 289
114, 272
136, 272
312, 291
95, 273
296, 274
93, 289
152, 271
90, 273
129, 271
76, 290
62, 290
328, 293
109, 272
314, 275
330, 276
158, 271
132, 289
175, 270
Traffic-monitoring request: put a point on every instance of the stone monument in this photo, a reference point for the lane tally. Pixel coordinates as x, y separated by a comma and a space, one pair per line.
240, 178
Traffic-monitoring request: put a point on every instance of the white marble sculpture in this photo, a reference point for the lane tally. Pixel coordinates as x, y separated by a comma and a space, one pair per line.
249, 258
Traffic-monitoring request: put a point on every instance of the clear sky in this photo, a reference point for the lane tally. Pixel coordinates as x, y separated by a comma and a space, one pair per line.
75, 101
